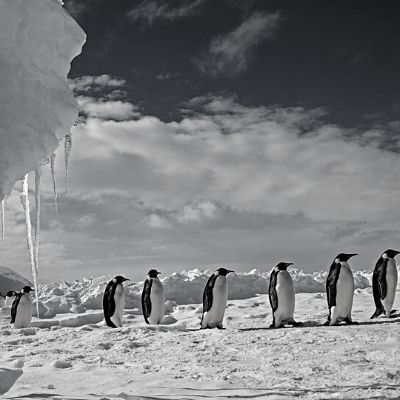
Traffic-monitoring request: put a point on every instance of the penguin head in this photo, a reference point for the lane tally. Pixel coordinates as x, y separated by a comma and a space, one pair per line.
282, 266
27, 289
343, 257
11, 293
390, 253
153, 273
120, 279
223, 271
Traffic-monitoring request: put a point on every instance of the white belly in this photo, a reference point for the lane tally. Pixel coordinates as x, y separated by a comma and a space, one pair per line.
286, 297
391, 283
157, 298
215, 316
2, 302
119, 298
344, 295
24, 312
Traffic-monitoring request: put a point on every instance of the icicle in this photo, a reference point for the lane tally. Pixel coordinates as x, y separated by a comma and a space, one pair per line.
67, 153
38, 184
25, 204
3, 219
53, 175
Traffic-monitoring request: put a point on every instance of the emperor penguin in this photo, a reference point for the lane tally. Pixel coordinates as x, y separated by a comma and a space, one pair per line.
215, 297
281, 296
340, 290
384, 283
153, 298
21, 309
114, 302
10, 298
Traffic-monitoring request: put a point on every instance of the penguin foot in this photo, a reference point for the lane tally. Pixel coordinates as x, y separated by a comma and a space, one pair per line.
295, 323
393, 312
326, 323
220, 327
350, 322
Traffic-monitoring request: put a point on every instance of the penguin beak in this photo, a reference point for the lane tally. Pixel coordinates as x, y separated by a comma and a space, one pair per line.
158, 273
229, 271
288, 264
351, 255
126, 279
396, 252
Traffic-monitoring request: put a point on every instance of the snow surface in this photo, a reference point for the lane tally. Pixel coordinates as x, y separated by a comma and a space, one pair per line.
72, 354
38, 40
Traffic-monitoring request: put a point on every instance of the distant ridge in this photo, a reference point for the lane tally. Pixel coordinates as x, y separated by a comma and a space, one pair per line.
11, 280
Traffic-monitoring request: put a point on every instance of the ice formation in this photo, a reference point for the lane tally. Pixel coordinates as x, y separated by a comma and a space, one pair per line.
53, 176
67, 153
3, 219
38, 41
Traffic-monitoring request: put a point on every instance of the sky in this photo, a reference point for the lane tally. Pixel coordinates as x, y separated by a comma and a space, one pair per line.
225, 133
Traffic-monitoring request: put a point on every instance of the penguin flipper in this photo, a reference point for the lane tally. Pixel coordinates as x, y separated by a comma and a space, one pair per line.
379, 286
146, 302
14, 307
273, 297
331, 282
109, 303
208, 293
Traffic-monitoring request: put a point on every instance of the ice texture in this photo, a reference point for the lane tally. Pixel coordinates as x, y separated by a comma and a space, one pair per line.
29, 241
38, 41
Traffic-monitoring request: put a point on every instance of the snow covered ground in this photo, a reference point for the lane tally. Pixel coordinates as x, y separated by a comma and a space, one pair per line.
72, 355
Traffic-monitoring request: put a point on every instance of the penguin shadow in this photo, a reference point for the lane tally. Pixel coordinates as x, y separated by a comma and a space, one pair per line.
394, 319
307, 324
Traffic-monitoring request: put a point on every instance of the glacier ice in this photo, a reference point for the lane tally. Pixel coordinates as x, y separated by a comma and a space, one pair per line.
38, 41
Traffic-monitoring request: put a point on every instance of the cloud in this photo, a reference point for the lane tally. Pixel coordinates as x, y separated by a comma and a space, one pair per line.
87, 83
107, 109
151, 11
78, 7
230, 54
227, 184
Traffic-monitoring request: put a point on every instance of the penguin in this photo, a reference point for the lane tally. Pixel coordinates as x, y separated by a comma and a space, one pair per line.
2, 300
10, 298
21, 309
114, 302
340, 290
153, 299
215, 297
282, 297
384, 283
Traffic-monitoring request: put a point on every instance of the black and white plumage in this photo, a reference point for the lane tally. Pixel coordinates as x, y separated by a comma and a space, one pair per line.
384, 283
114, 302
215, 297
21, 309
282, 296
153, 298
340, 290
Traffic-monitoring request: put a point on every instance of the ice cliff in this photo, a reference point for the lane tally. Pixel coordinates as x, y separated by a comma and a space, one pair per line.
38, 41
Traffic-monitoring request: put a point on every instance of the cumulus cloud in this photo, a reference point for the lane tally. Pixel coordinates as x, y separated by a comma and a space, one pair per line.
151, 11
107, 109
227, 184
229, 54
87, 83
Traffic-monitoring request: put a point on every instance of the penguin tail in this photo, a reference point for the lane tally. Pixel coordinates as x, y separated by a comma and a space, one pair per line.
377, 313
